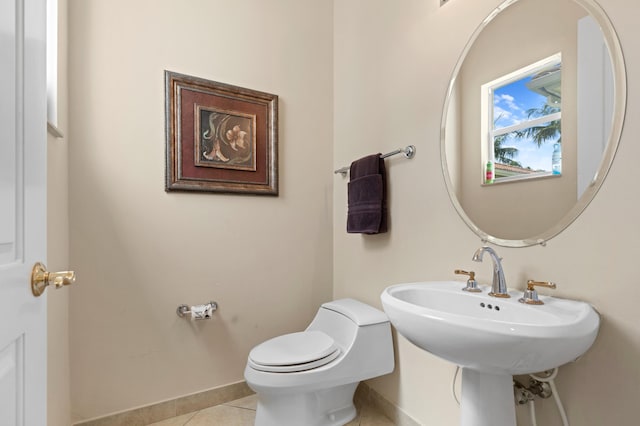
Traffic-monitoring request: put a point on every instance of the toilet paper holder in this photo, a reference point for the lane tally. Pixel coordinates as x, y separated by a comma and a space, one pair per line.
197, 312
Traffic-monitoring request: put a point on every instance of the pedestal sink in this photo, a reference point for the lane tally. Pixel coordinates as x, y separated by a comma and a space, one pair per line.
490, 338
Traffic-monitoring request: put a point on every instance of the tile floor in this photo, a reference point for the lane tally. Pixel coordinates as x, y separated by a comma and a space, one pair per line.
242, 412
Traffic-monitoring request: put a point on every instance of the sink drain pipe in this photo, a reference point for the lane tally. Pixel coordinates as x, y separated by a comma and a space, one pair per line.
532, 412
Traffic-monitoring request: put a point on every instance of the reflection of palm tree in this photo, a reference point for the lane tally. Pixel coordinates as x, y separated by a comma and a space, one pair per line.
504, 154
543, 133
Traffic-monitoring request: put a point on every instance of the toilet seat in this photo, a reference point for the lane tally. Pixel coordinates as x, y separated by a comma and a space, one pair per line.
293, 352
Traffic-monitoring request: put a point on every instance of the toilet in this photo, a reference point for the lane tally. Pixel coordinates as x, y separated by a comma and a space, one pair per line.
309, 378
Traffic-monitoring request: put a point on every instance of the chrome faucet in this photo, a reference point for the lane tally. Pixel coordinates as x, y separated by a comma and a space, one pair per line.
499, 286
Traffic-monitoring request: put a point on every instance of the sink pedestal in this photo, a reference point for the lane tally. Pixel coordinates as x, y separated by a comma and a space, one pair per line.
487, 399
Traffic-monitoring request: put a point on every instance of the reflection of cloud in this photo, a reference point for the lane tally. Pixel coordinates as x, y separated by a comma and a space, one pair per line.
505, 117
530, 155
505, 107
508, 101
501, 112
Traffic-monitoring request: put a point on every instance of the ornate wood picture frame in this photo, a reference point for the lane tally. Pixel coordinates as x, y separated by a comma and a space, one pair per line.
220, 138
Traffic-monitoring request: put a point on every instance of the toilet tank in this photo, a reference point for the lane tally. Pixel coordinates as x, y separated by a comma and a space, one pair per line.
362, 332
360, 313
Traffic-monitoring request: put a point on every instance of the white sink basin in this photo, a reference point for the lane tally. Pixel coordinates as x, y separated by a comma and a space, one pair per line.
488, 334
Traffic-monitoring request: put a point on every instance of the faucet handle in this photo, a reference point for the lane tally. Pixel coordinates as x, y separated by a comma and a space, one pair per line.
530, 296
532, 283
472, 284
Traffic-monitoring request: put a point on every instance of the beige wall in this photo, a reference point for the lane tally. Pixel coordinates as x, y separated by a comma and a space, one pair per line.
58, 371
140, 252
393, 62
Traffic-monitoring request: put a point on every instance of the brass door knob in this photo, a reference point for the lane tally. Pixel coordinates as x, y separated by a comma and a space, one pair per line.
41, 278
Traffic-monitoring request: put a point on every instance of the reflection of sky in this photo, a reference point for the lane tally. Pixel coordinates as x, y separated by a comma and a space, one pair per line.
510, 105
511, 102
529, 155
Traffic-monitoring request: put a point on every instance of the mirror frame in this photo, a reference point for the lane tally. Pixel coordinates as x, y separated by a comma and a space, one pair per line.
619, 111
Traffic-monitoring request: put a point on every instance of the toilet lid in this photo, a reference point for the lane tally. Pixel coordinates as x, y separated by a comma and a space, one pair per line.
294, 352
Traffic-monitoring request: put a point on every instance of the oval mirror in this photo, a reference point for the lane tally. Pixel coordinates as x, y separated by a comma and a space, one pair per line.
532, 118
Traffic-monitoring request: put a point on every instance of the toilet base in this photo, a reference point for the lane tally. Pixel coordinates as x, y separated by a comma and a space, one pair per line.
326, 407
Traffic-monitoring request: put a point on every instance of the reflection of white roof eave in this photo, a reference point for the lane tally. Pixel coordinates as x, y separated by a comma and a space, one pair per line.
548, 85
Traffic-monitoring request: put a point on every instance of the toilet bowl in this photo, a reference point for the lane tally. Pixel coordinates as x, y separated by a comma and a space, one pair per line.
309, 378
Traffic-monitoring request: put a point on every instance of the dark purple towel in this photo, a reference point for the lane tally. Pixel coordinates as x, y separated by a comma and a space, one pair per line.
367, 196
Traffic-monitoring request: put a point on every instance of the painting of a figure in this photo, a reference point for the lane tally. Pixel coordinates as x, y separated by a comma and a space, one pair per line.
225, 140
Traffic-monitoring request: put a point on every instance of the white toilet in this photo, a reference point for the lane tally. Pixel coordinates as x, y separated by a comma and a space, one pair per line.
309, 378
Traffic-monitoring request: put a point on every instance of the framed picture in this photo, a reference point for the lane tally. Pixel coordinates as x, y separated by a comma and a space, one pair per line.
220, 138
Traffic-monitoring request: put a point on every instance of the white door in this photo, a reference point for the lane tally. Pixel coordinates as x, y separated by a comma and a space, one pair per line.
23, 138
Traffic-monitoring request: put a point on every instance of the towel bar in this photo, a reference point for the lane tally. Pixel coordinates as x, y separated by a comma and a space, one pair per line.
409, 151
